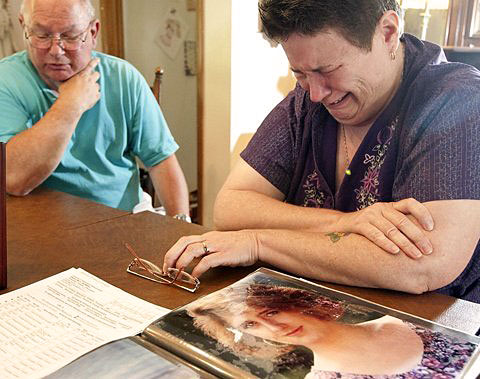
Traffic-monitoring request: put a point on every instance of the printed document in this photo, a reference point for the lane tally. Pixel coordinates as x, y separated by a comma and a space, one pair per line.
48, 324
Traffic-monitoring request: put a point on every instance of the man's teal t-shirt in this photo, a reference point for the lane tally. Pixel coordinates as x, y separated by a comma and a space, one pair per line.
99, 162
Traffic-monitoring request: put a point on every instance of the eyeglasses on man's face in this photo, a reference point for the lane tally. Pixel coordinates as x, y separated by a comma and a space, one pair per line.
148, 270
70, 43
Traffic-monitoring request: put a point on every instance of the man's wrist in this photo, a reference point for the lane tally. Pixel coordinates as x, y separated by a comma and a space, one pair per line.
69, 111
183, 217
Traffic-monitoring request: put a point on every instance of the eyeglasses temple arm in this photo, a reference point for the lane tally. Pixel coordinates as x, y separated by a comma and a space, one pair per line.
139, 260
177, 275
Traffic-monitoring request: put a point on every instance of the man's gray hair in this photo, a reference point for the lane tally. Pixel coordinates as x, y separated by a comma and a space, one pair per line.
90, 9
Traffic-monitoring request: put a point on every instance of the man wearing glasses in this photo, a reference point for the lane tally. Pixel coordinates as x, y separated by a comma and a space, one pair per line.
74, 119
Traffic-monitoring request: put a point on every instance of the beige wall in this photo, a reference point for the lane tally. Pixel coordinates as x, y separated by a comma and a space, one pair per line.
96, 4
216, 101
13, 35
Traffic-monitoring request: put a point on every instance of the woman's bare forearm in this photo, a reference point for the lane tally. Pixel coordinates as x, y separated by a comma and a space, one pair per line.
245, 209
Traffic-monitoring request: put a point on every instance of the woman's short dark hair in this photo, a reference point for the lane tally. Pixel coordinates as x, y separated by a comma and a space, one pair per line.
355, 20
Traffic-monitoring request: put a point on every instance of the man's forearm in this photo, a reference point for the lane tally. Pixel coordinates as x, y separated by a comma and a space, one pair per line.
244, 209
170, 186
35, 153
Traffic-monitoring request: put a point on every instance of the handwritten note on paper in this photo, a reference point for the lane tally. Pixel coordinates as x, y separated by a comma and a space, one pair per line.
48, 324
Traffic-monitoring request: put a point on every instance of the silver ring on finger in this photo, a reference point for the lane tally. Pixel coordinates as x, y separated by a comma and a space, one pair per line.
205, 247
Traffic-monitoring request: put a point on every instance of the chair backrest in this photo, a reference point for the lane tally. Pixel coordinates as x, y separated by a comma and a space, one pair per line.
157, 83
3, 217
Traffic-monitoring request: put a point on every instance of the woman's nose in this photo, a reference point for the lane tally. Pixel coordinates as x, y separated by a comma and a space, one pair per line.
274, 326
318, 88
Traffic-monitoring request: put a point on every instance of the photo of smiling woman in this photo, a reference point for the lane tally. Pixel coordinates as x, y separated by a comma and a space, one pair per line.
347, 340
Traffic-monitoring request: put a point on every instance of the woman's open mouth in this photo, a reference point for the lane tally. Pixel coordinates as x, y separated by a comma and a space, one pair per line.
338, 101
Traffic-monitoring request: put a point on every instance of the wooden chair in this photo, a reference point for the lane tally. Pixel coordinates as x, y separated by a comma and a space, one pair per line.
157, 83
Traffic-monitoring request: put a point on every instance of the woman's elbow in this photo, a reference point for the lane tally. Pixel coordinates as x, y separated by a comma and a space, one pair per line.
221, 218
416, 285
432, 278
414, 280
222, 222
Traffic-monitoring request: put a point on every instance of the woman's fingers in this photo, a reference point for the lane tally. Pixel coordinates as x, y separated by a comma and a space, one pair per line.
387, 226
208, 262
177, 250
397, 237
192, 251
215, 249
411, 239
376, 235
417, 210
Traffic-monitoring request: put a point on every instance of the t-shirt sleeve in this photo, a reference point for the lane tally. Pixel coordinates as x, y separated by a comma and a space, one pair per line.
13, 117
271, 151
152, 139
439, 150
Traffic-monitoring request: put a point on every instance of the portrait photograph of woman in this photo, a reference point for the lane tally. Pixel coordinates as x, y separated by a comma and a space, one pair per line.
271, 327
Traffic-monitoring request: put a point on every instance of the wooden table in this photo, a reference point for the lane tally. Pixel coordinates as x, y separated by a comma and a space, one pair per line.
49, 232
45, 212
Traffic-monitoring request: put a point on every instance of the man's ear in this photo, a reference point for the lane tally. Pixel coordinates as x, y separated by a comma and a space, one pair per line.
94, 31
21, 20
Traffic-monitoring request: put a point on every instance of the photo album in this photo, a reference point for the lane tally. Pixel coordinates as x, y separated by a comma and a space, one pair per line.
272, 325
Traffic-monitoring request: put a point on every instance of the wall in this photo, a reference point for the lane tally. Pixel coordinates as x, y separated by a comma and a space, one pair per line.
436, 25
96, 4
260, 76
11, 37
215, 98
142, 22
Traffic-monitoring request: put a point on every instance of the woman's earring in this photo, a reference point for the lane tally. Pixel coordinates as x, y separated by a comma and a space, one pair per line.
392, 55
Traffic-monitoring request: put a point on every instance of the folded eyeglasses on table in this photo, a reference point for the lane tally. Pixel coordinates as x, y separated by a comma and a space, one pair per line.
148, 270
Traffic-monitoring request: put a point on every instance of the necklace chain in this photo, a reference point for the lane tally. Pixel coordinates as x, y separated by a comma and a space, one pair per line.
347, 170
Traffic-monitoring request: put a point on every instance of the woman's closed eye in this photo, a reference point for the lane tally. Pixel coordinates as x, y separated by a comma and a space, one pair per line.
331, 71
299, 75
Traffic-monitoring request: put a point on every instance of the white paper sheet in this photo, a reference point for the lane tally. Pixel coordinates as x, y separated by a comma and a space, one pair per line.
50, 323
